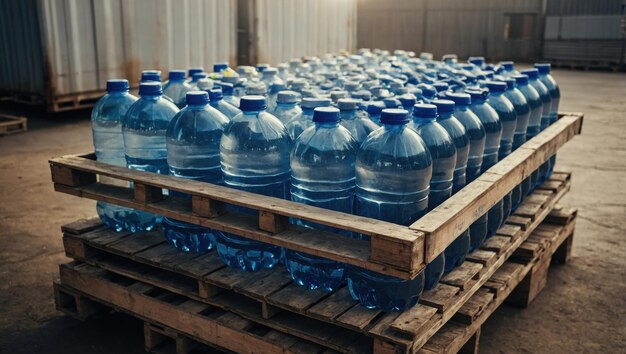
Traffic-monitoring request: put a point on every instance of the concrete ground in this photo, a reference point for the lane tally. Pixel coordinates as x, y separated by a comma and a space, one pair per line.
583, 308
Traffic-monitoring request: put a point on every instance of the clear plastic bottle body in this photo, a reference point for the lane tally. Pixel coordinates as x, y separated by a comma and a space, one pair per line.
555, 95
303, 120
508, 118
106, 120
254, 157
536, 109
177, 89
493, 127
144, 128
359, 126
322, 175
286, 111
522, 112
193, 152
225, 108
393, 172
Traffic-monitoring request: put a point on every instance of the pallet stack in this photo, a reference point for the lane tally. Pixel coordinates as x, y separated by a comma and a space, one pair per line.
188, 300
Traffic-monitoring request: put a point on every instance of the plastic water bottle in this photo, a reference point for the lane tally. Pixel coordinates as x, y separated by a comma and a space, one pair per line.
272, 96
298, 123
508, 69
522, 111
254, 156
359, 126
444, 156
322, 175
286, 106
534, 122
393, 172
408, 101
228, 91
217, 102
106, 122
455, 129
193, 152
198, 76
176, 88
506, 113
533, 80
555, 95
493, 127
477, 136
144, 128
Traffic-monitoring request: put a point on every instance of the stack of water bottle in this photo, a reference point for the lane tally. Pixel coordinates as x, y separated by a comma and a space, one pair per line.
382, 135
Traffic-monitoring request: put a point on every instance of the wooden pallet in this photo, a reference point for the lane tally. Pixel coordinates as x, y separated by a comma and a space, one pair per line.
517, 282
88, 287
400, 251
74, 101
12, 124
270, 297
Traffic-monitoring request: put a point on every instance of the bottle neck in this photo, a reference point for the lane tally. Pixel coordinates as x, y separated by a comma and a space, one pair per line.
151, 97
444, 115
117, 93
286, 104
423, 120
196, 107
326, 124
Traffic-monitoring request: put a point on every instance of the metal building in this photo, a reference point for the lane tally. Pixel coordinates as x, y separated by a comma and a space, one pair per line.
496, 29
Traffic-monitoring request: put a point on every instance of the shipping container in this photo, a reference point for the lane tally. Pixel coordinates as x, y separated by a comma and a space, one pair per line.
62, 52
496, 29
274, 31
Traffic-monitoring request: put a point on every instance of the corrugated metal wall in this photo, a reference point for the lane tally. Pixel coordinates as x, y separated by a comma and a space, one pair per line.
465, 28
285, 29
84, 43
583, 32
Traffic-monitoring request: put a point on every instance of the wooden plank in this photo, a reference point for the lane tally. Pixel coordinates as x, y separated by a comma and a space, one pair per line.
82, 225
456, 214
263, 286
137, 242
384, 233
463, 275
358, 317
486, 258
528, 210
296, 298
474, 306
511, 231
520, 221
496, 244
413, 321
314, 242
333, 306
440, 297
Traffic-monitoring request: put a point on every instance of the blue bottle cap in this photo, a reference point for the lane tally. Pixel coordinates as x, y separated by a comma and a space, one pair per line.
227, 88
375, 108
217, 67
478, 61
392, 102
117, 85
444, 106
197, 76
394, 116
197, 98
460, 98
440, 86
252, 103
421, 110
150, 88
270, 71
428, 91
507, 65
326, 115
532, 73
510, 83
215, 94
150, 75
347, 104
407, 100
311, 102
477, 95
337, 95
521, 79
177, 75
276, 88
544, 68
288, 97
194, 71
351, 86
496, 86
261, 67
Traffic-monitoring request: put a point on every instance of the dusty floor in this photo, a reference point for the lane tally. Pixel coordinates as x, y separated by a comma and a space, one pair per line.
583, 308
